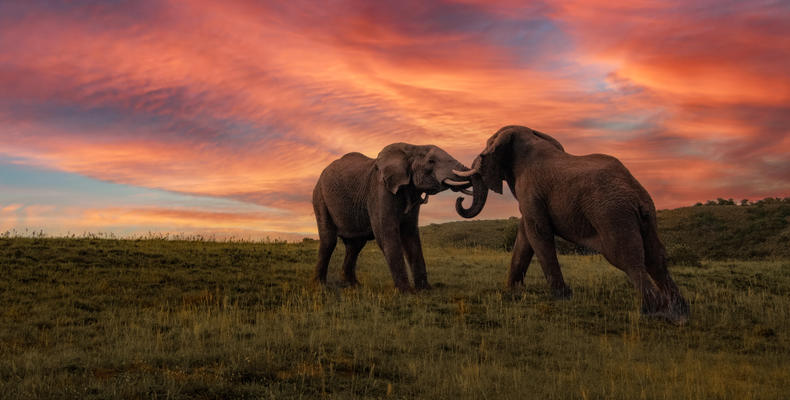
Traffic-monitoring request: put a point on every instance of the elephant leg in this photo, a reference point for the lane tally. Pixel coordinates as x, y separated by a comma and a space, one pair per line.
655, 262
327, 235
412, 249
623, 247
652, 300
353, 247
541, 237
389, 241
522, 255
328, 241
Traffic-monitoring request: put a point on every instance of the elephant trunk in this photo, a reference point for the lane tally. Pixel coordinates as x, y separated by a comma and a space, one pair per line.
479, 195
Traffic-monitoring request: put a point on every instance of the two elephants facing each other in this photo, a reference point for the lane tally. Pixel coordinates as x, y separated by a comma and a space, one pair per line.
590, 200
358, 199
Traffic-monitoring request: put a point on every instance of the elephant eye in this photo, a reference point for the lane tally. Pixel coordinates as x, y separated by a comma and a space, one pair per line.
429, 166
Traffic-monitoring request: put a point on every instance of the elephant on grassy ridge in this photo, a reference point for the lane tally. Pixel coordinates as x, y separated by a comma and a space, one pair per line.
591, 200
359, 198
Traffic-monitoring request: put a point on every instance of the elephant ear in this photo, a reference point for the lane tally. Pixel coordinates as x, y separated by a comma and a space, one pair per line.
495, 155
393, 166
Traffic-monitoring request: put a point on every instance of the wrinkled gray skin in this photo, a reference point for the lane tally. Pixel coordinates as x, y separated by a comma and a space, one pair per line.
591, 200
359, 198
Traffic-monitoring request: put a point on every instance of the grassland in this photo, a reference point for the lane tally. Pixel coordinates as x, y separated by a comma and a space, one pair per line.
97, 318
720, 232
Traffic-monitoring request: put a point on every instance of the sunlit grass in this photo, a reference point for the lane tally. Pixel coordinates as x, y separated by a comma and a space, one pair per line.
166, 318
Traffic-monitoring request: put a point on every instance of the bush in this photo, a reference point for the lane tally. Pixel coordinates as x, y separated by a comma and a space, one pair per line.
680, 254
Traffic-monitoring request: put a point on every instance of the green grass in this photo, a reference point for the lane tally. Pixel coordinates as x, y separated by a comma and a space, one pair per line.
93, 318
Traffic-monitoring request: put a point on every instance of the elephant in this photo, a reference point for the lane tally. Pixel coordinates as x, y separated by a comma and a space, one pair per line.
359, 199
591, 200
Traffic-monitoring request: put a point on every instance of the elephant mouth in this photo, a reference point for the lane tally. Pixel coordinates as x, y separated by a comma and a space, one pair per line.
433, 191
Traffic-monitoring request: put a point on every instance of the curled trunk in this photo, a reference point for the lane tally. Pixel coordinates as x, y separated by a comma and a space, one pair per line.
479, 195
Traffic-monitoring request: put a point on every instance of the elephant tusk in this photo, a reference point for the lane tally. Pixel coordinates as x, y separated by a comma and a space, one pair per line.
466, 191
465, 173
455, 183
425, 199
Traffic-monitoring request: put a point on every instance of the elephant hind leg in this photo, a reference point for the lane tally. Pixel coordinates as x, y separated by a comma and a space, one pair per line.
327, 243
622, 246
655, 261
353, 247
327, 235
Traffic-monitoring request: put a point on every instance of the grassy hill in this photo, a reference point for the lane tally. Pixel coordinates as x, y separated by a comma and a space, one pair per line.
729, 231
154, 318
716, 232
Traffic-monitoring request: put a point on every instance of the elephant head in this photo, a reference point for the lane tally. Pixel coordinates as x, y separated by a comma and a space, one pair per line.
428, 169
490, 166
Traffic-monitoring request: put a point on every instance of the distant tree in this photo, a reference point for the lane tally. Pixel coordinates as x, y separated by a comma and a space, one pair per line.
699, 204
710, 203
745, 202
723, 202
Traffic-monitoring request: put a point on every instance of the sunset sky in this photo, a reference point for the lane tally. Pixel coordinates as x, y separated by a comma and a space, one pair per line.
216, 117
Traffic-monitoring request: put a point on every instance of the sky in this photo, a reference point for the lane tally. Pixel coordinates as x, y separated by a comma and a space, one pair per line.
216, 118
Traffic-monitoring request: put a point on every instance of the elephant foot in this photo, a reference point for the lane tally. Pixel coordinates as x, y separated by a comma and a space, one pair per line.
515, 285
561, 293
351, 283
667, 316
351, 280
318, 281
674, 311
406, 289
679, 306
678, 320
423, 286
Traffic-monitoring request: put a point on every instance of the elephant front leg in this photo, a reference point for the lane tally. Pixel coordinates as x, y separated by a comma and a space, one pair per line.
541, 237
412, 248
390, 243
522, 256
